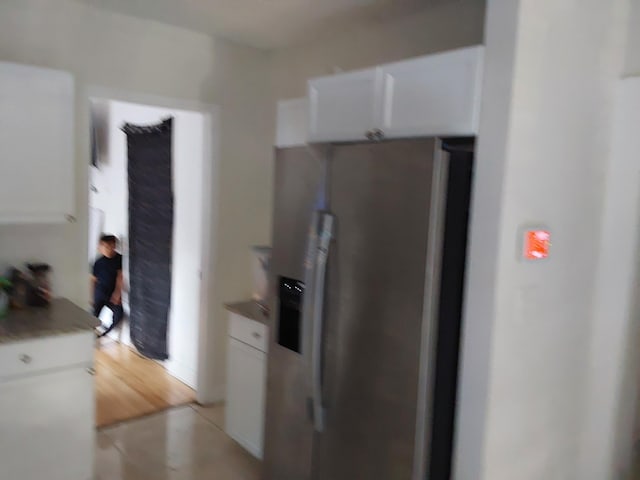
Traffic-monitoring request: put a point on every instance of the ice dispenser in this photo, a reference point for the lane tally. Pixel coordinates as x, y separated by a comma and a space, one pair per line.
289, 313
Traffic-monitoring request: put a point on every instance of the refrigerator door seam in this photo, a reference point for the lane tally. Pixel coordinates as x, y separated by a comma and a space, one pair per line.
430, 311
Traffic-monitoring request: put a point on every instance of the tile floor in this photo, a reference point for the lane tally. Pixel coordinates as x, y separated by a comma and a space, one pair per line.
184, 443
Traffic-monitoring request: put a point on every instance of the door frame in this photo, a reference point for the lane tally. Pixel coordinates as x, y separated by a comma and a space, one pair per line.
205, 392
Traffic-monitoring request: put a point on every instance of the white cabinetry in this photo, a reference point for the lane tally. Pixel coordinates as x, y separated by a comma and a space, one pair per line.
47, 408
435, 95
246, 379
36, 145
344, 106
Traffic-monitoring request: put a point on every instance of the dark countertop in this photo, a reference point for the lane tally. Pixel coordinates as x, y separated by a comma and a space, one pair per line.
62, 317
248, 309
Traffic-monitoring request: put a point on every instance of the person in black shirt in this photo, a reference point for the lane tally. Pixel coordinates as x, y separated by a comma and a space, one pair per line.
106, 281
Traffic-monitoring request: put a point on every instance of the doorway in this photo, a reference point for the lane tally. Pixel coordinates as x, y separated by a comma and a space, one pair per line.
119, 364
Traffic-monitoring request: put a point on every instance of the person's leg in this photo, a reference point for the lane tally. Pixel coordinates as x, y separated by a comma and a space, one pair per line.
98, 305
118, 313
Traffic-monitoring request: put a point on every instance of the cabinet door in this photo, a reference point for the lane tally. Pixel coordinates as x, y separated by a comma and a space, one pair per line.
47, 424
37, 155
433, 95
344, 106
246, 370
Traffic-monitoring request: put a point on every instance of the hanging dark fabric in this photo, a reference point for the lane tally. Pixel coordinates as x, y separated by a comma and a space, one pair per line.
150, 235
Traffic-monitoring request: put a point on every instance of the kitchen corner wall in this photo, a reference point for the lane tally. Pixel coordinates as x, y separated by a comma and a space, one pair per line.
132, 55
552, 69
612, 424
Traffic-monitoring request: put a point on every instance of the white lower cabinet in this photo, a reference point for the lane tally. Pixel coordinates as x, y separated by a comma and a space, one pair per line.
246, 379
47, 415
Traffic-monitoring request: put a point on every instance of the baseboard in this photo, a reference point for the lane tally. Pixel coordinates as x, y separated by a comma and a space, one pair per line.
182, 372
216, 394
121, 333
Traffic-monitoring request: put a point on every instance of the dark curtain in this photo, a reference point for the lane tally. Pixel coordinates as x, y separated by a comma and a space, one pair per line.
150, 235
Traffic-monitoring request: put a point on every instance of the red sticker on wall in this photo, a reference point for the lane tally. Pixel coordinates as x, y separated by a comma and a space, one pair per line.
537, 244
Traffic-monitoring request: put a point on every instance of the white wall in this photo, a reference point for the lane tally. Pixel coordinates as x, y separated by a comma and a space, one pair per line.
129, 54
632, 66
440, 26
612, 428
110, 179
484, 237
189, 134
544, 139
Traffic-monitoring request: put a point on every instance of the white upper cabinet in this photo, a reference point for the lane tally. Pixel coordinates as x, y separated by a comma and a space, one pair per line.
435, 95
292, 122
345, 106
36, 145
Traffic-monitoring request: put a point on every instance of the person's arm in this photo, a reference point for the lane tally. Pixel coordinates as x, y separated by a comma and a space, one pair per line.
92, 288
116, 298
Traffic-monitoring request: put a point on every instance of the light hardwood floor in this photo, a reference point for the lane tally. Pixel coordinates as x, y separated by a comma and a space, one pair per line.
131, 386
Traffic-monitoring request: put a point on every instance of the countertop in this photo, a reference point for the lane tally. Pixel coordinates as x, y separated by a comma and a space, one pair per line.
248, 309
61, 317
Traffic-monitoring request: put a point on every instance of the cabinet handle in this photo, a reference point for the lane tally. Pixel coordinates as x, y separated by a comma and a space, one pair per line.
26, 359
91, 371
375, 135
257, 335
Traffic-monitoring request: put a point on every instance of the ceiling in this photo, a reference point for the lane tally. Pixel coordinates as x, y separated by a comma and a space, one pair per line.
265, 24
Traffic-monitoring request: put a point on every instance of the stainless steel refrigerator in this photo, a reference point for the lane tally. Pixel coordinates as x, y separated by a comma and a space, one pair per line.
366, 293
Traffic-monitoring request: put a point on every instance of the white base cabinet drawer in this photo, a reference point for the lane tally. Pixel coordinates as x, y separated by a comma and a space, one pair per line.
248, 331
46, 354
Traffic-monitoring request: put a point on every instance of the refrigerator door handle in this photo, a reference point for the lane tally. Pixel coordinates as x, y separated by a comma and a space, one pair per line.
307, 303
324, 243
